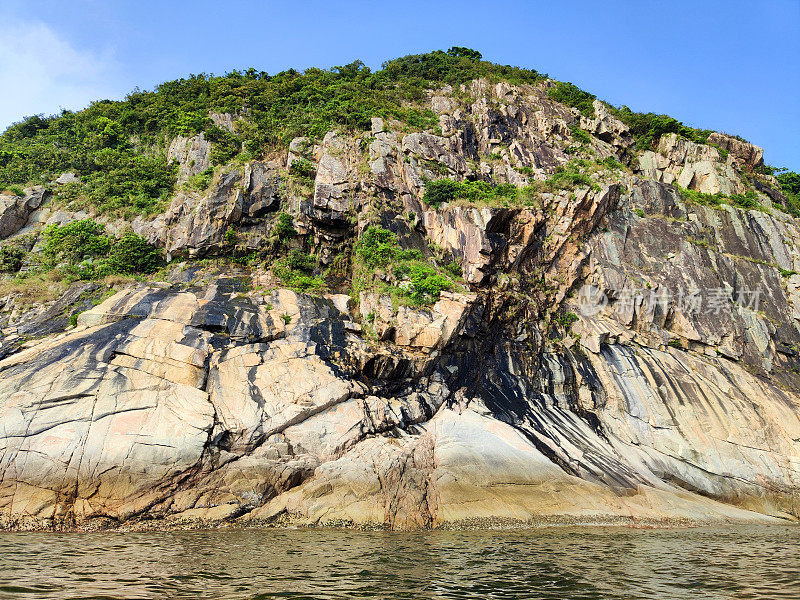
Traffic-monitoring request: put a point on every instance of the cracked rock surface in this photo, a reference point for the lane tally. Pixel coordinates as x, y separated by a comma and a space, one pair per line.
212, 399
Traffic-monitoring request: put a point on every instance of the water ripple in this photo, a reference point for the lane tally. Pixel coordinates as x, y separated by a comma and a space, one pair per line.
582, 563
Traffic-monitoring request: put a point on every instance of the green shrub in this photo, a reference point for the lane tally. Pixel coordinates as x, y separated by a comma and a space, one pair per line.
16, 190
748, 200
88, 252
790, 183
134, 254
425, 282
454, 269
416, 279
377, 246
224, 144
440, 191
73, 321
75, 242
647, 128
723, 153
201, 181
230, 236
572, 95
245, 258
465, 52
300, 261
11, 258
580, 135
567, 319
303, 168
296, 271
189, 123
700, 198
284, 229
132, 184
410, 254
611, 163
446, 190
569, 177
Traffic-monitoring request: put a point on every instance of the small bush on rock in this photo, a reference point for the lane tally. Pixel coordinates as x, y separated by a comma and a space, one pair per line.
446, 190
297, 272
377, 246
11, 258
76, 241
425, 283
416, 280
580, 135
133, 254
284, 229
86, 251
572, 95
302, 168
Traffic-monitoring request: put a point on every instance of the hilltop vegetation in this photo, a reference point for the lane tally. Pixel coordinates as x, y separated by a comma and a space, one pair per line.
118, 149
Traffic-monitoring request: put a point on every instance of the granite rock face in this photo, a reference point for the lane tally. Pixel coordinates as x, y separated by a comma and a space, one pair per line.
616, 354
193, 155
15, 210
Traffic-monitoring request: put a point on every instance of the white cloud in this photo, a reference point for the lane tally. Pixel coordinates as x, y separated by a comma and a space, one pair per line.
40, 72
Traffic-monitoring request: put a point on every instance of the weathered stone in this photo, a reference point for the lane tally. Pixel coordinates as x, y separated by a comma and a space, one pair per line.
68, 177
606, 126
262, 184
693, 166
519, 399
743, 151
15, 210
193, 155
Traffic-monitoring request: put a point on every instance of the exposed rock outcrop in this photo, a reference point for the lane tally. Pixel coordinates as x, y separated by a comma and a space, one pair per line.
193, 155
601, 358
693, 166
15, 210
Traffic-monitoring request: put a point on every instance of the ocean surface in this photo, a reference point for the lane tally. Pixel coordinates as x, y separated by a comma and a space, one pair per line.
560, 563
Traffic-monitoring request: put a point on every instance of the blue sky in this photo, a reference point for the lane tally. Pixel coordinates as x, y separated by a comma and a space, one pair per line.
726, 65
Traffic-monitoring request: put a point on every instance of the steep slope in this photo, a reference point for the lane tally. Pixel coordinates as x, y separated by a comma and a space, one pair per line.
526, 309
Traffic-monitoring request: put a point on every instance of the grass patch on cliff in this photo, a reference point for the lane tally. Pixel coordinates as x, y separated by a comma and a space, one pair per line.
747, 201
36, 287
83, 250
382, 265
297, 271
647, 128
571, 176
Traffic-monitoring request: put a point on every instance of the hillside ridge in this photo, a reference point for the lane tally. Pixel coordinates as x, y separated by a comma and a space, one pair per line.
443, 294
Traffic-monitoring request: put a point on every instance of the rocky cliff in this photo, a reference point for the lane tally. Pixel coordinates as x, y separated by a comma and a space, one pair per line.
601, 347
